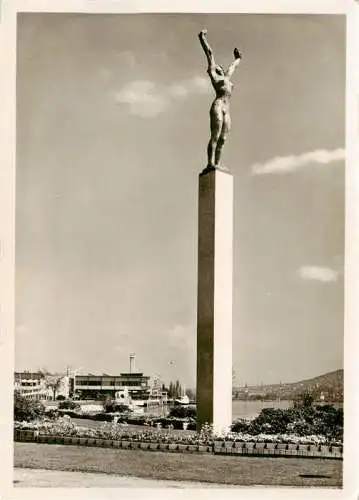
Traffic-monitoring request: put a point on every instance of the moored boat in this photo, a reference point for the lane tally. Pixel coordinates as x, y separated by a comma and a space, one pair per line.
182, 400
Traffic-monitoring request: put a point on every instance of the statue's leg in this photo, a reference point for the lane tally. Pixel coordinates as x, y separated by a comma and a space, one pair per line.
226, 125
216, 120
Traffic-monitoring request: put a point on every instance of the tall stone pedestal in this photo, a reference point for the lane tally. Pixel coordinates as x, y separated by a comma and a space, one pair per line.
214, 303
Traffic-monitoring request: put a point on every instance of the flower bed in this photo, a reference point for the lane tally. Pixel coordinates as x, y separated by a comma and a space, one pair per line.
280, 439
63, 431
63, 427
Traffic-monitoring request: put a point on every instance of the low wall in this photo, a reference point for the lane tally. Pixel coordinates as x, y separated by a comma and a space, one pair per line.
218, 448
278, 449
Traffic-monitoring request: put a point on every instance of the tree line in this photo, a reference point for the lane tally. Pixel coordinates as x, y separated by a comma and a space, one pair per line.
176, 390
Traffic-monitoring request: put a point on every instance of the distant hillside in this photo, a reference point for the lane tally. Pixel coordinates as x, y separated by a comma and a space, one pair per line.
331, 385
332, 379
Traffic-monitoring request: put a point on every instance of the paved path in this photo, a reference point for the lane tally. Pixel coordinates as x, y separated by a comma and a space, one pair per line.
37, 478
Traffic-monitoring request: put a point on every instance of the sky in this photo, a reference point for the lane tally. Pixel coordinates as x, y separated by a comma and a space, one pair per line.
112, 128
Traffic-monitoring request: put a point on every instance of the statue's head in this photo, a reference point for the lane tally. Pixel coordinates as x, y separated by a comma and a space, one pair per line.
219, 70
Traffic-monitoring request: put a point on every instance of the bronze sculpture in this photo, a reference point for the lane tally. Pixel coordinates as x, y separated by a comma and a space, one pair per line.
220, 119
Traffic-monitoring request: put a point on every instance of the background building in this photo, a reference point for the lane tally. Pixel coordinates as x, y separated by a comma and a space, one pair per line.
31, 385
39, 385
98, 386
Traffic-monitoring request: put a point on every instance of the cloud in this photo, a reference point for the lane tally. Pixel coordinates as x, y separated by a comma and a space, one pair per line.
285, 164
317, 273
126, 58
200, 83
148, 99
181, 336
143, 98
197, 85
105, 73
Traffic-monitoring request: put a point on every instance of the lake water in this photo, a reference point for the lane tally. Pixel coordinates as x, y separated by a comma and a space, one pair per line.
251, 409
240, 409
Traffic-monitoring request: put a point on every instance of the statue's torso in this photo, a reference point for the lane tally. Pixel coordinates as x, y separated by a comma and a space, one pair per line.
224, 88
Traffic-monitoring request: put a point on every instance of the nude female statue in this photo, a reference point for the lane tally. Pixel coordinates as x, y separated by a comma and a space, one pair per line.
219, 114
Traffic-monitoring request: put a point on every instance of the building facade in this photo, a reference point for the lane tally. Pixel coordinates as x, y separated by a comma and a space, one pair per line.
38, 386
99, 386
31, 385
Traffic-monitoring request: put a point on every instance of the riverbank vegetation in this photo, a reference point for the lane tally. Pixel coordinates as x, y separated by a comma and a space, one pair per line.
304, 423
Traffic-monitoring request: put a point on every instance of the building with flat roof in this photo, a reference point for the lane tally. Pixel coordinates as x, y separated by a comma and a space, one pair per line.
31, 385
37, 385
97, 386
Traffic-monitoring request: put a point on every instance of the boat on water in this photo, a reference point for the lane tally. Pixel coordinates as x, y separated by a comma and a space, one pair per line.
182, 400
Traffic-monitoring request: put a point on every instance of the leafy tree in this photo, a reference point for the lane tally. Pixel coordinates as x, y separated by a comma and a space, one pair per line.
191, 394
304, 399
27, 409
53, 382
175, 389
108, 403
44, 371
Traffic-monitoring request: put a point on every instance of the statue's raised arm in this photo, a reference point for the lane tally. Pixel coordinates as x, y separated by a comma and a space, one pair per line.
206, 48
211, 70
219, 113
233, 66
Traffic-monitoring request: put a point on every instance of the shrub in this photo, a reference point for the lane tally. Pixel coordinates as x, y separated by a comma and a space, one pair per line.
183, 412
69, 405
329, 421
27, 409
240, 425
302, 428
111, 407
52, 414
301, 420
102, 417
270, 419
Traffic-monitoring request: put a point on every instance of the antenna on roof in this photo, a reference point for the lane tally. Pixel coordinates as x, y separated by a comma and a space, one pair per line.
132, 362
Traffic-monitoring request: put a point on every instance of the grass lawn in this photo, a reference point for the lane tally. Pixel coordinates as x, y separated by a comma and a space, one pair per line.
181, 466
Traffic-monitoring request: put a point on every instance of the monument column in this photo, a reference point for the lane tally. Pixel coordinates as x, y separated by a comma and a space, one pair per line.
214, 301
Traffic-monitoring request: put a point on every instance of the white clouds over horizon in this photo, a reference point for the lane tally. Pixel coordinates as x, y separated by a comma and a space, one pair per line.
148, 99
287, 164
318, 273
